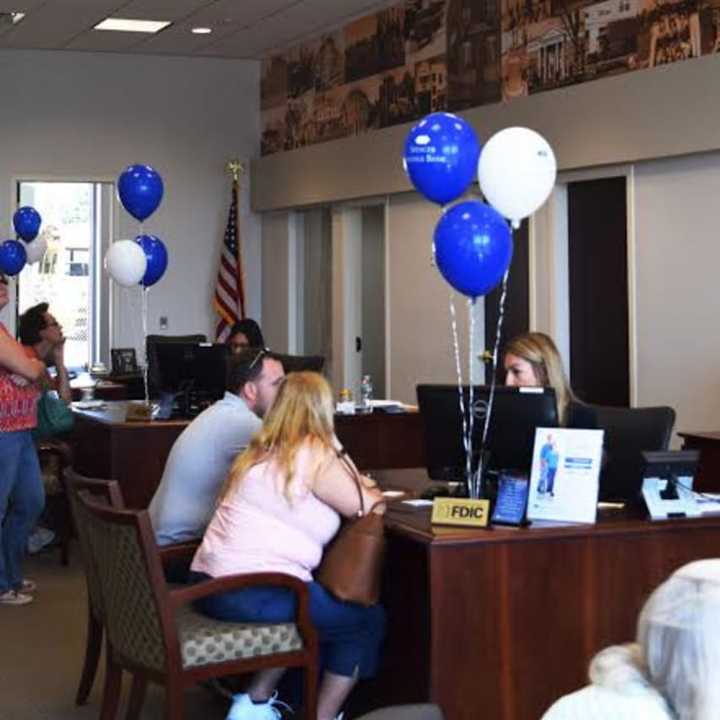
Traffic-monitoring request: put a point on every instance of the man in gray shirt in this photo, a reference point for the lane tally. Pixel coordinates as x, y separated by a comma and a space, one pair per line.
202, 455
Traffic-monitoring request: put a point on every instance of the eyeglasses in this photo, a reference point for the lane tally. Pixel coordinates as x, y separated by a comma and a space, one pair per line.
261, 353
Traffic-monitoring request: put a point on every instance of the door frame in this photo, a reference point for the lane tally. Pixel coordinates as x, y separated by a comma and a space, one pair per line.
549, 270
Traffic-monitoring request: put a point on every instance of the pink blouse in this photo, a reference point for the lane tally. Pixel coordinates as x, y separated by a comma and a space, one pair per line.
257, 529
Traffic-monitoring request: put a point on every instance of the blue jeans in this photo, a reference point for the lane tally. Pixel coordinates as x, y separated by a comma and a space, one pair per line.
350, 635
22, 498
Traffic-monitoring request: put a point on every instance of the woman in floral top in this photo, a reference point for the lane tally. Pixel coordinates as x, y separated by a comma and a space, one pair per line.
21, 488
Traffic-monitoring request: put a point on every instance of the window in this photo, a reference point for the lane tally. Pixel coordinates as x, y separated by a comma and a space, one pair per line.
76, 222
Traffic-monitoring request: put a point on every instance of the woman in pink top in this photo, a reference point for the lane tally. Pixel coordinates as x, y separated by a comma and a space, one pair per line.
281, 505
21, 488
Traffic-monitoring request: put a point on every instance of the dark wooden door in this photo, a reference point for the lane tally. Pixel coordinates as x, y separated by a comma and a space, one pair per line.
517, 302
599, 346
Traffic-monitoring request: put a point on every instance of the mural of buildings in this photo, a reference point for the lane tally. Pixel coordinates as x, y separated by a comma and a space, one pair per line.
422, 56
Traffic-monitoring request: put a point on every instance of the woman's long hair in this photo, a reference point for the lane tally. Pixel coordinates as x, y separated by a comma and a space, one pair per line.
678, 645
542, 353
302, 411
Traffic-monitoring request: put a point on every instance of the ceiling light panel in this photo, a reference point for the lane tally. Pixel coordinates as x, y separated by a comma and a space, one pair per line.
132, 25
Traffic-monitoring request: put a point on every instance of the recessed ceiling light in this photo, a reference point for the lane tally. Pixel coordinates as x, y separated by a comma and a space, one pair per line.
201, 31
124, 25
17, 17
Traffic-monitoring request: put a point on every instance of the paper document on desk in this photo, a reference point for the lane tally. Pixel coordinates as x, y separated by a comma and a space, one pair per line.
708, 503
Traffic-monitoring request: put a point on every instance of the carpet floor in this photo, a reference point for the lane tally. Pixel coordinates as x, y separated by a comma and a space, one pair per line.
43, 647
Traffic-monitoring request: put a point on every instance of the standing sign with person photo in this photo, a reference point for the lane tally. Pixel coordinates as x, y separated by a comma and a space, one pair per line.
564, 476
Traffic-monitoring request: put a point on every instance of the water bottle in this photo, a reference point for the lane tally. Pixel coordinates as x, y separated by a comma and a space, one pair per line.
366, 394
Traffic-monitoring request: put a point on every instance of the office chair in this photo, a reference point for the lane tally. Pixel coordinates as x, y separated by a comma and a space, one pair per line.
628, 432
300, 363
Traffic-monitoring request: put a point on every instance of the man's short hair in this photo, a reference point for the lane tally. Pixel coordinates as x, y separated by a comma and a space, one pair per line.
246, 366
31, 323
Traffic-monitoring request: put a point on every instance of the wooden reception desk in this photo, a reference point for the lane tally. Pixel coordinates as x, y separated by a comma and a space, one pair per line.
500, 623
134, 453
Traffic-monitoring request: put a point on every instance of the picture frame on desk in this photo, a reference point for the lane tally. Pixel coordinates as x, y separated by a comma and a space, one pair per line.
124, 361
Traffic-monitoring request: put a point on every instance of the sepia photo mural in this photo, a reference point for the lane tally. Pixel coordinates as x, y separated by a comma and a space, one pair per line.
420, 56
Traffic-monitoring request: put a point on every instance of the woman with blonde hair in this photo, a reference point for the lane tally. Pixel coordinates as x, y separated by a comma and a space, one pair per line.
671, 672
532, 360
280, 506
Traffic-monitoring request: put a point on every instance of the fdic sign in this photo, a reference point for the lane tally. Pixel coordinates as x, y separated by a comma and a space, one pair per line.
452, 511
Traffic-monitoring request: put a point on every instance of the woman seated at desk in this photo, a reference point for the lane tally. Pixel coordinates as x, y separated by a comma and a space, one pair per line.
532, 360
281, 505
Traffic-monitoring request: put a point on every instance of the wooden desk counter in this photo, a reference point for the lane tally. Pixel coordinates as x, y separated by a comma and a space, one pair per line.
500, 623
134, 453
707, 478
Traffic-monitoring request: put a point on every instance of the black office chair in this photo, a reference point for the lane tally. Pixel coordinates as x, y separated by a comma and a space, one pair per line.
300, 363
628, 432
152, 341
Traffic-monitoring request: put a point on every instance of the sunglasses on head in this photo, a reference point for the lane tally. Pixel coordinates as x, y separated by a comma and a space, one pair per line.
261, 353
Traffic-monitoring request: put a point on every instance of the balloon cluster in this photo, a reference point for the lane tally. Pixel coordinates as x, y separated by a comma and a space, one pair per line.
516, 172
143, 260
15, 254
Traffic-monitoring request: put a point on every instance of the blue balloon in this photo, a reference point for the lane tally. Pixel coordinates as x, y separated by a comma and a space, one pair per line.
140, 189
473, 247
27, 223
157, 258
12, 257
441, 156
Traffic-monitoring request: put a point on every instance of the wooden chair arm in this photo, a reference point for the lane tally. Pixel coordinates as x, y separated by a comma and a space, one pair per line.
178, 551
59, 449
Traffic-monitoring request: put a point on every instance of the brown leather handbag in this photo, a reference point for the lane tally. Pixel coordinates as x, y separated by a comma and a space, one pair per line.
352, 563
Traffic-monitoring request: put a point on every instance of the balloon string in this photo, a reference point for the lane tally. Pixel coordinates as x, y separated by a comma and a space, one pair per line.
144, 313
472, 490
458, 370
493, 380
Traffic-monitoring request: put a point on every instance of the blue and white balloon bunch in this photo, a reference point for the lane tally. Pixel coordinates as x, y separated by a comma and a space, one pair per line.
143, 260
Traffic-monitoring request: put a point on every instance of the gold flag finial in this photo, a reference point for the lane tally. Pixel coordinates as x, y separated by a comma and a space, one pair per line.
236, 169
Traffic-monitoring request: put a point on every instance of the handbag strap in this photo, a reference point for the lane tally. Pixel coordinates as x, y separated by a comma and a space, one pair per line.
354, 474
353, 471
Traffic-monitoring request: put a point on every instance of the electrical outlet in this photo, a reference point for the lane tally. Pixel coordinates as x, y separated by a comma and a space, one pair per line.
163, 322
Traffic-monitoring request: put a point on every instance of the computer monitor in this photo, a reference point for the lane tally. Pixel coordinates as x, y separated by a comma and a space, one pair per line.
511, 435
194, 371
301, 363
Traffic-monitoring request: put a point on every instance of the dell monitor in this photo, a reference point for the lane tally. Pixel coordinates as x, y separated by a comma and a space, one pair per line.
516, 413
193, 372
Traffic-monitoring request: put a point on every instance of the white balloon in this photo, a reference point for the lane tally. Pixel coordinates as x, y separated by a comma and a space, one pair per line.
126, 263
36, 249
516, 172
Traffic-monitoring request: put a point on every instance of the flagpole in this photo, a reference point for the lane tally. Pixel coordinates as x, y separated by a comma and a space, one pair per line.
237, 169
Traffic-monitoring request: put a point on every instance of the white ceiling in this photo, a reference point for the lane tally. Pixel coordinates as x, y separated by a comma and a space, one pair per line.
241, 28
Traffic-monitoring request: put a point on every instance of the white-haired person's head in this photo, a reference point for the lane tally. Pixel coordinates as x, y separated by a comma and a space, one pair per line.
675, 661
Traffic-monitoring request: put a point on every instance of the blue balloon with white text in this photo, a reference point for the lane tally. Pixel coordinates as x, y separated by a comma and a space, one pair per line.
140, 189
12, 257
26, 222
441, 156
473, 247
157, 258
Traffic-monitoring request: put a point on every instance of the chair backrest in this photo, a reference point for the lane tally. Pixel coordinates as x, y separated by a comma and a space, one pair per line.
106, 492
300, 363
131, 581
152, 341
628, 432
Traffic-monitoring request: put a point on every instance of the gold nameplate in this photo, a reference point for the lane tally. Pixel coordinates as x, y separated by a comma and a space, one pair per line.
138, 412
457, 511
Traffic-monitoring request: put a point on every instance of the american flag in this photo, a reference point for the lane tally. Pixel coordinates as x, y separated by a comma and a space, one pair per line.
229, 299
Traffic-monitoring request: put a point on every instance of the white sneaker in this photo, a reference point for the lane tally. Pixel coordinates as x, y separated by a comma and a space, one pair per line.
13, 597
243, 708
39, 538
